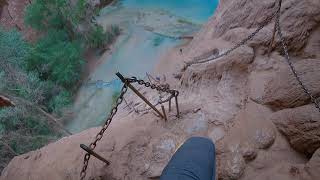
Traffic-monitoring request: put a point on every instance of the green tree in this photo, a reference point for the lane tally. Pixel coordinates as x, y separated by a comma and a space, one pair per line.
56, 58
97, 37
44, 15
13, 49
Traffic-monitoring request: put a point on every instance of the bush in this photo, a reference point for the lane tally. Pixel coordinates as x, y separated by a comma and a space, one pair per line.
36, 14
43, 15
22, 128
112, 33
57, 59
59, 102
13, 49
97, 37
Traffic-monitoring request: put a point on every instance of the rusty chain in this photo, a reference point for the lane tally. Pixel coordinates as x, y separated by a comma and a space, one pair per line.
160, 88
104, 128
284, 47
289, 62
236, 46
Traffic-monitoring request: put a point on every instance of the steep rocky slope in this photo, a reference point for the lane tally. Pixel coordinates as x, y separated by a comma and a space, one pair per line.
263, 124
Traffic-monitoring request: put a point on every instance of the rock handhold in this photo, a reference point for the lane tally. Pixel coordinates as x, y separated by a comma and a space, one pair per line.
197, 124
283, 90
249, 153
264, 138
313, 166
162, 150
301, 126
217, 134
231, 166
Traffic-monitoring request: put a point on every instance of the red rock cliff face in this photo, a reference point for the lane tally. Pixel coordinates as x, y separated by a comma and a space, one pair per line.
12, 16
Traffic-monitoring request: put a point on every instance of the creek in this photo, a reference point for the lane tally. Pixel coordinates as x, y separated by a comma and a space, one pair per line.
147, 30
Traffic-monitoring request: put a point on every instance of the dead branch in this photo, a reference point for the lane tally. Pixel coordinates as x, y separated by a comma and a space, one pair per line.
5, 102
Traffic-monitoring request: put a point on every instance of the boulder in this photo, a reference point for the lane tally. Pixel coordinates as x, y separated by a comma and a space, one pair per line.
291, 171
312, 48
301, 126
195, 124
253, 128
312, 168
231, 165
216, 134
284, 91
298, 20
162, 150
264, 137
249, 153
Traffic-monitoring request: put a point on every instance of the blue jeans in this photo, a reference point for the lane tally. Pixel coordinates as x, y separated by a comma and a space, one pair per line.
194, 160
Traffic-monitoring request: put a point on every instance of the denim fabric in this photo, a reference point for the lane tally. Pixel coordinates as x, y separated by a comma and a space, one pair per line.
194, 160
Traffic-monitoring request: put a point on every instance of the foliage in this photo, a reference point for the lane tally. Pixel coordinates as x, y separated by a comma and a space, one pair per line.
59, 102
36, 13
57, 59
54, 14
13, 53
22, 129
58, 55
113, 32
79, 11
13, 48
97, 37
43, 73
24, 121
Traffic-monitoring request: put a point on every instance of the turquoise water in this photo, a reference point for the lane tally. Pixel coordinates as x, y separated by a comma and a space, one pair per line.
195, 10
137, 49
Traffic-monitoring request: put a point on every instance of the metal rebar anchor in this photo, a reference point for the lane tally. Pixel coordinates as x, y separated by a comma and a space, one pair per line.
96, 155
139, 94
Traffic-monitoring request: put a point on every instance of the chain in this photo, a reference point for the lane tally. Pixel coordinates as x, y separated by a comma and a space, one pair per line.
287, 57
241, 43
104, 128
160, 88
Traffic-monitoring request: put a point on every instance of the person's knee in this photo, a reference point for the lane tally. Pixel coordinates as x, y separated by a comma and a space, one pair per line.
201, 141
194, 160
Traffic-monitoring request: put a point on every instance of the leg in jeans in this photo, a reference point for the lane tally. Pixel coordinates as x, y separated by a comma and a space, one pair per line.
194, 160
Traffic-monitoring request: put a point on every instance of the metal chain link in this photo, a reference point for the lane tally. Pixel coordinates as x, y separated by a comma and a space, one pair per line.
241, 43
288, 60
104, 128
114, 110
161, 88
